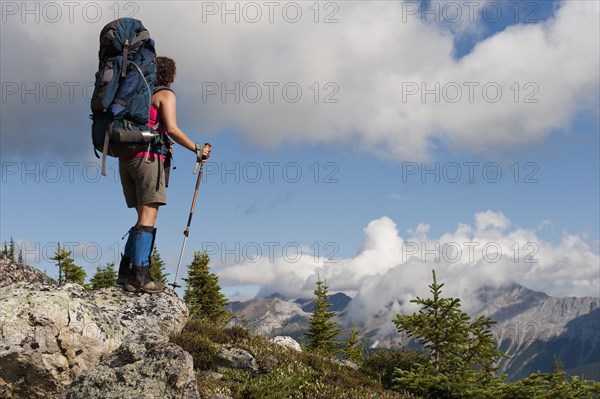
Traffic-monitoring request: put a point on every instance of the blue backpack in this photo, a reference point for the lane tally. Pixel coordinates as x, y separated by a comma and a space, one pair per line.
123, 90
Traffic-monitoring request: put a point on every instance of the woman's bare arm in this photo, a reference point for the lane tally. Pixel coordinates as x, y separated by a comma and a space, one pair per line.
166, 102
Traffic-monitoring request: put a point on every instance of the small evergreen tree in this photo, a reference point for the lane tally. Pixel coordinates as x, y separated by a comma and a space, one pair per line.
73, 273
462, 353
5, 249
60, 258
157, 267
21, 256
11, 249
203, 294
104, 277
321, 329
354, 349
553, 385
558, 376
68, 272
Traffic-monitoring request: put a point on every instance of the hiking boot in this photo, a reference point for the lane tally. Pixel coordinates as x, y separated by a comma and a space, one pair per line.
140, 281
124, 270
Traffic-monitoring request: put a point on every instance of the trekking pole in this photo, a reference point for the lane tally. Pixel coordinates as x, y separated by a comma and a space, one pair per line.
199, 164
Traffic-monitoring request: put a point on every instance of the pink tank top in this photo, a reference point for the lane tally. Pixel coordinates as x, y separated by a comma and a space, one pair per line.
153, 120
154, 117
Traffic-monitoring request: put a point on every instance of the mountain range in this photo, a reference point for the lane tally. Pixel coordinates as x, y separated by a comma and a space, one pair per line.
531, 327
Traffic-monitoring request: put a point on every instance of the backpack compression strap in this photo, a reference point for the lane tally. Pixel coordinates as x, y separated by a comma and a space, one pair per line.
105, 148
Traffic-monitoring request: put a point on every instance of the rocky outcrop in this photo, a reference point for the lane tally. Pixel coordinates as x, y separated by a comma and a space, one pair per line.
11, 273
154, 370
287, 342
51, 338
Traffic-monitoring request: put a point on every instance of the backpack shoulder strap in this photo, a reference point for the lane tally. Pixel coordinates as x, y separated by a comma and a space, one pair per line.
161, 88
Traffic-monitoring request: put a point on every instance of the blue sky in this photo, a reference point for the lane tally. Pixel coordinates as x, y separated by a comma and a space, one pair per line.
323, 176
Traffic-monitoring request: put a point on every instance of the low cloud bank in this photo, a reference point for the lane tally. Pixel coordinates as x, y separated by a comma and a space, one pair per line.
390, 270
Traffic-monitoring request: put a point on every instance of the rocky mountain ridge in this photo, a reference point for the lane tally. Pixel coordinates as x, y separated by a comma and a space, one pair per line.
534, 328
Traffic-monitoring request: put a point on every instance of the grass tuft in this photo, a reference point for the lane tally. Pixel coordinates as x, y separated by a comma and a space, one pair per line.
284, 373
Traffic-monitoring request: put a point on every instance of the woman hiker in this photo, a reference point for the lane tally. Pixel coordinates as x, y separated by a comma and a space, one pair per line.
145, 184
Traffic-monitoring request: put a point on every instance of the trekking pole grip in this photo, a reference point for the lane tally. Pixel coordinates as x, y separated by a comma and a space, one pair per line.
204, 158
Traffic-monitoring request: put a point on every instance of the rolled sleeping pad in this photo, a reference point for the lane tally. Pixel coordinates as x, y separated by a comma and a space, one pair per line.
129, 136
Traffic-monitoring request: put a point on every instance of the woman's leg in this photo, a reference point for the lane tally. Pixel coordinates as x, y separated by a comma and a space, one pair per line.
148, 189
147, 214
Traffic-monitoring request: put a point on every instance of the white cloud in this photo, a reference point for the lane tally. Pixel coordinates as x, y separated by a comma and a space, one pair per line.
370, 55
389, 270
490, 219
401, 197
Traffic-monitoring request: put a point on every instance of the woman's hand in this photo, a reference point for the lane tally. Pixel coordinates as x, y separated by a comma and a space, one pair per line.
202, 153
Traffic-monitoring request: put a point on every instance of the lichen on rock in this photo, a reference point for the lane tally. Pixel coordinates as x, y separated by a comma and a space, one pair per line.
52, 337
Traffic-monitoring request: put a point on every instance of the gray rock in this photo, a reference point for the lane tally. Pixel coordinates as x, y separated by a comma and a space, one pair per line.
210, 375
287, 342
50, 336
270, 363
157, 370
347, 363
236, 358
11, 273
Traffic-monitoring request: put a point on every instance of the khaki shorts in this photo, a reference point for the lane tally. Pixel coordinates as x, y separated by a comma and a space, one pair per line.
140, 181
